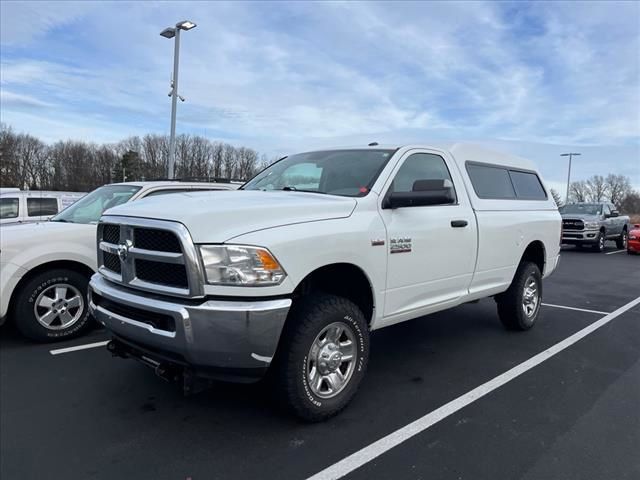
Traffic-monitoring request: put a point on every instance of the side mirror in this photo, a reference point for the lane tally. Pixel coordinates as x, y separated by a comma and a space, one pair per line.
614, 213
424, 192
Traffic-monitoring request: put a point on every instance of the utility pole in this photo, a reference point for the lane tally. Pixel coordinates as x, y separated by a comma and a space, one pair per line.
570, 155
174, 32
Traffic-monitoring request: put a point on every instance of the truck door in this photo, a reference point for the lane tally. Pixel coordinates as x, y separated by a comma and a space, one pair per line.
609, 222
432, 249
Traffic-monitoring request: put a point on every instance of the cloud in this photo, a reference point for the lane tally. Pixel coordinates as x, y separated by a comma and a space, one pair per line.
284, 76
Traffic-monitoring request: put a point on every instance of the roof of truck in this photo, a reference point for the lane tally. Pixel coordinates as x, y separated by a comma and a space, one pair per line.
461, 151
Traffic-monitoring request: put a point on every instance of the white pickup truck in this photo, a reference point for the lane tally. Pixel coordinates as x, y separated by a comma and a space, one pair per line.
45, 267
290, 274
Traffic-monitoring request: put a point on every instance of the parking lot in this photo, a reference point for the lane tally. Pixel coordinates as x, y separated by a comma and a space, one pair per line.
571, 412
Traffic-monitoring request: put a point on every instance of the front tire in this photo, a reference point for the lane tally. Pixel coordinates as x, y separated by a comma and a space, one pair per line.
519, 306
599, 245
322, 357
52, 306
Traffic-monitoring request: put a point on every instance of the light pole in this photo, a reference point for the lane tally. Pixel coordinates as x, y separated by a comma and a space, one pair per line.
174, 32
570, 155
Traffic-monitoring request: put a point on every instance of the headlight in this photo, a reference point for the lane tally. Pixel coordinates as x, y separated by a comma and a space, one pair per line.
591, 225
632, 237
237, 265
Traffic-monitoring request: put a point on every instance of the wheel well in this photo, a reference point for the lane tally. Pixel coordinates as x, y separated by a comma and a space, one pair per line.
68, 264
535, 253
341, 279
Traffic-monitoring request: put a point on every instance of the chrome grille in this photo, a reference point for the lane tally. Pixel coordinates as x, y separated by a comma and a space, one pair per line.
152, 255
569, 224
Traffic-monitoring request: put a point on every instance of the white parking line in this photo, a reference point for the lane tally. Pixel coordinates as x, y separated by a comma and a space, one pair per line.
78, 347
372, 451
575, 308
617, 251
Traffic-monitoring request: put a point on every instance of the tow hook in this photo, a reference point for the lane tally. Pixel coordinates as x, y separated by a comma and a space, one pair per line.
193, 384
116, 349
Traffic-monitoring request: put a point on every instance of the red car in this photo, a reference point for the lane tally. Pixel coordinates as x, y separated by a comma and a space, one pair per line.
633, 243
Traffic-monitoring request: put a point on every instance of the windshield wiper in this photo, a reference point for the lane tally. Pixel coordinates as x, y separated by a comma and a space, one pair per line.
62, 220
294, 189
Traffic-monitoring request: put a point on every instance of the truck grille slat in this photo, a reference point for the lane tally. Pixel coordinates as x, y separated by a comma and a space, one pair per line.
111, 233
171, 274
153, 239
112, 262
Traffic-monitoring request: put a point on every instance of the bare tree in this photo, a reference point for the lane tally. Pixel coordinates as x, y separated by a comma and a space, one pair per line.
578, 191
631, 203
618, 187
597, 188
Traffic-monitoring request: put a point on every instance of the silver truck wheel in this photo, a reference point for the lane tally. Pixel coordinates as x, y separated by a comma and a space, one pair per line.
530, 296
331, 360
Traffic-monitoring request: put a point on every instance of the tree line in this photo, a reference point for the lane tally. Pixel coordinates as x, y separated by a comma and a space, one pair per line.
29, 163
616, 189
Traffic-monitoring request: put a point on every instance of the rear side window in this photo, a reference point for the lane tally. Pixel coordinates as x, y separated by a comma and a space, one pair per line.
494, 182
527, 185
42, 206
8, 208
491, 182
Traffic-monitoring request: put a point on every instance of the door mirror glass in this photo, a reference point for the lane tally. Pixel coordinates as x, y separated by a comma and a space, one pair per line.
423, 193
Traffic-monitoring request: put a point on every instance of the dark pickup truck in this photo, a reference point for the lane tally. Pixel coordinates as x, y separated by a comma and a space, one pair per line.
593, 224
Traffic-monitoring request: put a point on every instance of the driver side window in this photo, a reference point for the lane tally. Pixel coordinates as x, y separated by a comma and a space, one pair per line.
419, 166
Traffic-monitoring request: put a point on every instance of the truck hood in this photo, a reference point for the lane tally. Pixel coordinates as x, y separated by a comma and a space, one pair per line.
219, 216
577, 216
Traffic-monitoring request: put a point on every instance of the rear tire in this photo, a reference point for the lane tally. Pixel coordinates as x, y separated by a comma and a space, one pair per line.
621, 242
519, 306
52, 306
309, 366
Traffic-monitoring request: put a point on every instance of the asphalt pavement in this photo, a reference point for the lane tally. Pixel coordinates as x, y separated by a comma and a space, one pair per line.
85, 415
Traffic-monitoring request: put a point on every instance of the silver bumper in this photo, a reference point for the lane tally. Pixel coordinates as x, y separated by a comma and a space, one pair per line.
233, 336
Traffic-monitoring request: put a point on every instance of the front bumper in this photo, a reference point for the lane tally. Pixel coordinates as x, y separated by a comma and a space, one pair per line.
231, 340
573, 237
633, 245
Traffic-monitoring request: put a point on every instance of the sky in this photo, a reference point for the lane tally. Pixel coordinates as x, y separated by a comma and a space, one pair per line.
535, 79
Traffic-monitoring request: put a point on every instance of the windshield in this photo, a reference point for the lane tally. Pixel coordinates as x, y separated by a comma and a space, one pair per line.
349, 173
90, 207
582, 208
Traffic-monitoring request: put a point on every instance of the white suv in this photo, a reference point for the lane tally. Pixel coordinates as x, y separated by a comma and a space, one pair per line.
45, 267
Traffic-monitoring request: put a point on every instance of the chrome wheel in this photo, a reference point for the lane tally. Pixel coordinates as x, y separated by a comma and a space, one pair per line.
331, 360
59, 306
530, 297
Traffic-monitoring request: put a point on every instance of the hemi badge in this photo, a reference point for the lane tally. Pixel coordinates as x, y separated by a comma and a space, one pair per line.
377, 243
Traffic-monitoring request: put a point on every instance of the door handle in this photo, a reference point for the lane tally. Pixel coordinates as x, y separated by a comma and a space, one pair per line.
459, 223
